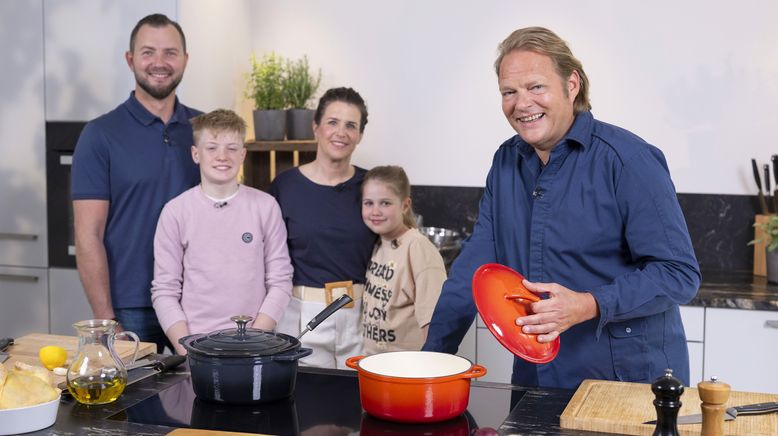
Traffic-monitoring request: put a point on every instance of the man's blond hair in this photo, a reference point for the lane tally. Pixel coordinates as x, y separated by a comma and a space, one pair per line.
543, 41
218, 121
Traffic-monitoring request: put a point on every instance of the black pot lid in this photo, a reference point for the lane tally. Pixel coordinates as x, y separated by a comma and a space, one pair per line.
240, 341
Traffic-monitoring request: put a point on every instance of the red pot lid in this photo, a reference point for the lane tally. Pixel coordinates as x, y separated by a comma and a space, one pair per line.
501, 298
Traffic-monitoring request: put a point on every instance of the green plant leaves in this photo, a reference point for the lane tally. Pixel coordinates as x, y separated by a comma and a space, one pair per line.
770, 229
299, 84
278, 83
265, 82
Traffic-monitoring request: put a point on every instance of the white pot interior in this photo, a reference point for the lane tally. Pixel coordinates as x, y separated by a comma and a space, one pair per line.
415, 364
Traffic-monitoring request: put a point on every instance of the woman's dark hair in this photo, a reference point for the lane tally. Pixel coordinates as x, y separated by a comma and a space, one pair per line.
346, 95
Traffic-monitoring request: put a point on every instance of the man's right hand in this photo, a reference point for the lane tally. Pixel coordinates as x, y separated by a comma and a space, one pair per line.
562, 309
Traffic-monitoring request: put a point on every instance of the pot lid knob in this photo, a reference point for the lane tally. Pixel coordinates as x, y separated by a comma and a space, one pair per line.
242, 320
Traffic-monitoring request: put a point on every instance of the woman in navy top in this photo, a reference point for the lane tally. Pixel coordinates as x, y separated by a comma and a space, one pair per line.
329, 243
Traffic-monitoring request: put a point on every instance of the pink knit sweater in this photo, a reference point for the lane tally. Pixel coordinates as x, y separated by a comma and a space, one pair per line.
211, 263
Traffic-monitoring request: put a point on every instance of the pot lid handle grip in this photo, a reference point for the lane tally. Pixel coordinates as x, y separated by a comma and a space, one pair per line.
242, 320
324, 314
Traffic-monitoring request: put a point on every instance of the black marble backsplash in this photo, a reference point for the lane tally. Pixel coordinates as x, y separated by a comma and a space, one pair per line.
720, 225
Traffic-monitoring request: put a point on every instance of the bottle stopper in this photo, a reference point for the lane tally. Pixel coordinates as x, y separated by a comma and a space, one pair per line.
667, 402
714, 395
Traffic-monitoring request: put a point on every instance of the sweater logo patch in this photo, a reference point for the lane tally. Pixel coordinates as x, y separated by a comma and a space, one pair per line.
247, 237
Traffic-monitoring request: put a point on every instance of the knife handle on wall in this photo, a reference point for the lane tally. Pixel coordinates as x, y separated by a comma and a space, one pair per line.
763, 203
758, 180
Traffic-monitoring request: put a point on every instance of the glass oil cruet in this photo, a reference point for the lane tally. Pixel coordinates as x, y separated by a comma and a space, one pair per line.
97, 374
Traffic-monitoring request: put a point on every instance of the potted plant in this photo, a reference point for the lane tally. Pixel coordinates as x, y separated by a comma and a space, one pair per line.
769, 238
299, 87
265, 87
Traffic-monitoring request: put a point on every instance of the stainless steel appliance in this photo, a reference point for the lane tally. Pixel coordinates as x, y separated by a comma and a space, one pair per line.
61, 138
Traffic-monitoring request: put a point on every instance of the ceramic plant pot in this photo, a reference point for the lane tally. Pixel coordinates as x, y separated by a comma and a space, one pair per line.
771, 259
299, 124
269, 125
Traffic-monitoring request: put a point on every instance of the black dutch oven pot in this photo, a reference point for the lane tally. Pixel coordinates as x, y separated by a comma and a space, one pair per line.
248, 366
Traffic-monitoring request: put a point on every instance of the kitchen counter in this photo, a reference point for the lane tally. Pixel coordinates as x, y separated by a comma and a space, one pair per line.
325, 402
736, 290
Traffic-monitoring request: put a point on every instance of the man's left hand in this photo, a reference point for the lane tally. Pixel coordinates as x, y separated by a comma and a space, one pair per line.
562, 309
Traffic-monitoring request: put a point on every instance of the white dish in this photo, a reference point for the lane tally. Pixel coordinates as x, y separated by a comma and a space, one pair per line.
30, 418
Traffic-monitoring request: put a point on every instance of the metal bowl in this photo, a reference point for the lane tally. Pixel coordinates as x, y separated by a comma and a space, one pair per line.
441, 237
447, 241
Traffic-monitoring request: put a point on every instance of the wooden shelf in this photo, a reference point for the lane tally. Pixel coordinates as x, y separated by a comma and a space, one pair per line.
304, 145
266, 159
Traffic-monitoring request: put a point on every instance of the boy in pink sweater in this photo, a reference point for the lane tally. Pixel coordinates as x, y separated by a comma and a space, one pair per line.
220, 247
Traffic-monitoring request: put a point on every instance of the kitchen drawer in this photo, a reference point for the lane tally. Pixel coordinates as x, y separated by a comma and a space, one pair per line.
741, 348
68, 301
24, 301
693, 319
496, 358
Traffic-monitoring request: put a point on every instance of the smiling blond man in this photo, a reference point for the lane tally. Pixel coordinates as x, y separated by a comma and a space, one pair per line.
587, 212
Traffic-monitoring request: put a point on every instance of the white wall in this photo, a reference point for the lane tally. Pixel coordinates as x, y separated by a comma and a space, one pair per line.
85, 42
699, 79
696, 78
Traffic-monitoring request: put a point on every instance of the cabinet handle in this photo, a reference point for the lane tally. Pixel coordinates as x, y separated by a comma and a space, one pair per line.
19, 236
771, 324
19, 278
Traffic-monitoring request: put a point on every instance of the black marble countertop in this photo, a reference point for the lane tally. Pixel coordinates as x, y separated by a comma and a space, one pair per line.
736, 290
326, 402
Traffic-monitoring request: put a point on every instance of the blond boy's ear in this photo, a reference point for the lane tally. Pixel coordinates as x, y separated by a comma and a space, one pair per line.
195, 155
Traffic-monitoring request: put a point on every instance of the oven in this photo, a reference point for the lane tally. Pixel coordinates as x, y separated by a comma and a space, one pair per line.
61, 138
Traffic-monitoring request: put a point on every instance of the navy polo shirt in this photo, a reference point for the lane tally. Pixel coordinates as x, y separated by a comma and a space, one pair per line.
136, 162
601, 216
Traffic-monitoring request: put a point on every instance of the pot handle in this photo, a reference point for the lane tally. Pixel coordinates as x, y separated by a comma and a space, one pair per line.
302, 352
353, 362
475, 371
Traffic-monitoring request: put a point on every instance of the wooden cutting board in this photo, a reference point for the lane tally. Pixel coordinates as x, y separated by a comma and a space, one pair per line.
195, 432
25, 349
619, 407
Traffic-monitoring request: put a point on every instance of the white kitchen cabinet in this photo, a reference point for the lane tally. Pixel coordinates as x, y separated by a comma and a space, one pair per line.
68, 301
24, 301
693, 319
496, 358
467, 346
22, 137
741, 348
696, 359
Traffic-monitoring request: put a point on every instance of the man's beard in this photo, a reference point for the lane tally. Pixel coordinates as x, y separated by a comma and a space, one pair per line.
158, 93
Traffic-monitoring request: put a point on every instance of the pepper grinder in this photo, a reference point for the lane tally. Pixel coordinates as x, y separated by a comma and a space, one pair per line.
714, 395
667, 390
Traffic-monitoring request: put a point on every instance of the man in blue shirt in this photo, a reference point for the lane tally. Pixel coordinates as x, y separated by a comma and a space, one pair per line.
127, 164
587, 212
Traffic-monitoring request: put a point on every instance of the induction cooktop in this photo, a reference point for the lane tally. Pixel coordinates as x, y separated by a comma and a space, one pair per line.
324, 402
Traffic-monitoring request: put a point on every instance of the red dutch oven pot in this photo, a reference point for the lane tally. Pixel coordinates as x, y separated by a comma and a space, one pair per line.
414, 386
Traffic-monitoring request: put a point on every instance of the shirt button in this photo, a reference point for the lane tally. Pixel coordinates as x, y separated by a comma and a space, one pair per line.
628, 330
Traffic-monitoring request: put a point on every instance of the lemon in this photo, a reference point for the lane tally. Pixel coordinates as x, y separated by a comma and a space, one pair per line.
52, 356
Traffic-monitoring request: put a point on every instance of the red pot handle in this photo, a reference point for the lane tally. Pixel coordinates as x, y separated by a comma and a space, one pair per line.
475, 371
351, 362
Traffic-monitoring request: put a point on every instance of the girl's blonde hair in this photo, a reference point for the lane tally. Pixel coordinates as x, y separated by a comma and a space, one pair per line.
395, 178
